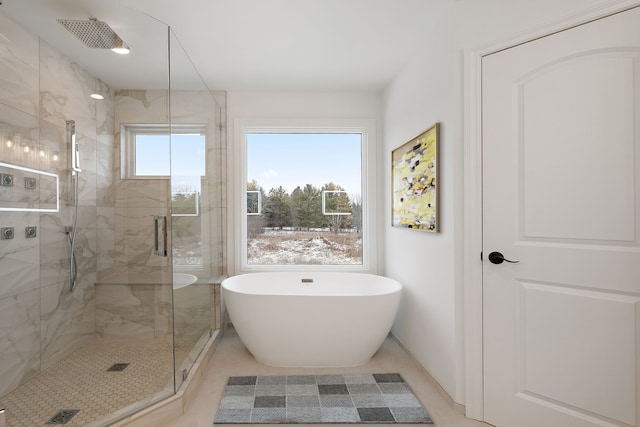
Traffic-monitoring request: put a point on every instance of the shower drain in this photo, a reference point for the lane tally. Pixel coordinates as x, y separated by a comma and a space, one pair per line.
117, 367
63, 416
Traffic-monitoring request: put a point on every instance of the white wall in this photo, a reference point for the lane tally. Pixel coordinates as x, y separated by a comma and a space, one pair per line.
287, 105
429, 90
482, 22
421, 95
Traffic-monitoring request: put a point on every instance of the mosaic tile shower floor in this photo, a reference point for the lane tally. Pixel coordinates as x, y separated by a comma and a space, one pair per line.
82, 382
344, 398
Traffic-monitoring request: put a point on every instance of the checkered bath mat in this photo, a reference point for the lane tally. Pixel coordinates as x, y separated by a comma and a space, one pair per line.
358, 398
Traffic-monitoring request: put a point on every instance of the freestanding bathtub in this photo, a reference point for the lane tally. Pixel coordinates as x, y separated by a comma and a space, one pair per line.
312, 319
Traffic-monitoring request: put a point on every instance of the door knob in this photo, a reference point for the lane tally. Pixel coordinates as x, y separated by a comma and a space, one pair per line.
498, 258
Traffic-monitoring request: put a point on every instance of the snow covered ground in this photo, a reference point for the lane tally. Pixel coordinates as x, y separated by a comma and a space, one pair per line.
278, 247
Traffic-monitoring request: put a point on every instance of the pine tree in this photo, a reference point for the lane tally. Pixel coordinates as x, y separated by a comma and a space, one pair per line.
307, 205
277, 210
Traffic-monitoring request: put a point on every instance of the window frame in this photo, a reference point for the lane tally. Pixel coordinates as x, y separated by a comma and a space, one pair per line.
367, 130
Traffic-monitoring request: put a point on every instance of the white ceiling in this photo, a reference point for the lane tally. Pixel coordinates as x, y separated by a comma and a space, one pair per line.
335, 45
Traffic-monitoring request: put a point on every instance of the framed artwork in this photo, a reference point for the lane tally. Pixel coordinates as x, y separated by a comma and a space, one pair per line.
414, 182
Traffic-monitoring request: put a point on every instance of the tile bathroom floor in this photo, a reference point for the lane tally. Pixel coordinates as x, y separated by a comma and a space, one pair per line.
231, 358
81, 381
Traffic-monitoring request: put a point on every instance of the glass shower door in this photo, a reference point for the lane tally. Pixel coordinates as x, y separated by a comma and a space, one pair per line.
195, 199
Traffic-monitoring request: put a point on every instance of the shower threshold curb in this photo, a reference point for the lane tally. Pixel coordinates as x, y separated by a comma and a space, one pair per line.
173, 406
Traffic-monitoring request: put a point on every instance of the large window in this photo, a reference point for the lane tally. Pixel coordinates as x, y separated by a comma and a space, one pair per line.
179, 152
303, 198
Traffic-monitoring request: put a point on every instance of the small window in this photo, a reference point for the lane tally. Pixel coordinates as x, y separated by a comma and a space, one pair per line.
148, 151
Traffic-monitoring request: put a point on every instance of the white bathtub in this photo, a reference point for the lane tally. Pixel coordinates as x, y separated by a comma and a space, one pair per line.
312, 319
182, 280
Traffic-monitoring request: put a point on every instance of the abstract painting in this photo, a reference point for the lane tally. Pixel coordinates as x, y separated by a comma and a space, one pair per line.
414, 185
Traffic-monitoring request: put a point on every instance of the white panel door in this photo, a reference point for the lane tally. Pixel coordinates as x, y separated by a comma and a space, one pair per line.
561, 195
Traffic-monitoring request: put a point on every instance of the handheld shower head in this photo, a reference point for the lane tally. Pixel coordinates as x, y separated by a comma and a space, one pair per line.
75, 151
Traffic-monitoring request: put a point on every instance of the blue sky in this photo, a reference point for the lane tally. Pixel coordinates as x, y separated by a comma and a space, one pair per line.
188, 163
293, 160
273, 159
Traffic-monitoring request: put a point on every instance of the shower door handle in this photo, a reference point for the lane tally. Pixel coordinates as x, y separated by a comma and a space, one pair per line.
160, 232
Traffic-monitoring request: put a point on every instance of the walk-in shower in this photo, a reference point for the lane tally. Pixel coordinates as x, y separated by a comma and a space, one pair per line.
74, 154
83, 296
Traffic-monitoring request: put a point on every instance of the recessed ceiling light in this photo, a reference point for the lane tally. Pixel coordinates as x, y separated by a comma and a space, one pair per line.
96, 96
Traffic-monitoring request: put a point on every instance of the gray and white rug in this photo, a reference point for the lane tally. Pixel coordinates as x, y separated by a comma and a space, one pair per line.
290, 399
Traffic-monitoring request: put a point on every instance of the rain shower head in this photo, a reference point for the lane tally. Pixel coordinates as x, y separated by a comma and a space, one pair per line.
95, 34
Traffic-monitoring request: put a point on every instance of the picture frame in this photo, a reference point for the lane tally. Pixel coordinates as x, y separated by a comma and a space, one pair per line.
415, 183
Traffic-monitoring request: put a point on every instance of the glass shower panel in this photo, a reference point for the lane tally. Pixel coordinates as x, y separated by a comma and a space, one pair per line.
195, 128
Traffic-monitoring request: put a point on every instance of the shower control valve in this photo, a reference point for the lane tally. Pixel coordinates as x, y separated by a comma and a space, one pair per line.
6, 233
6, 180
30, 231
30, 183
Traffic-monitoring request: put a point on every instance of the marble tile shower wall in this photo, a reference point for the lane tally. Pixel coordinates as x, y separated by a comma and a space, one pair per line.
40, 89
131, 306
137, 200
